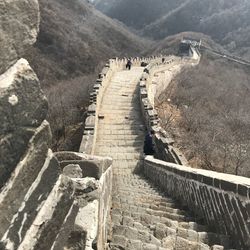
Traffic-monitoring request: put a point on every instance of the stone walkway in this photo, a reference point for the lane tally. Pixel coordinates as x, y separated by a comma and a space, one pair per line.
143, 218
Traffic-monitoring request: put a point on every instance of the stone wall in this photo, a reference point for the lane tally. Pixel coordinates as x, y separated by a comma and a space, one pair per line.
91, 122
163, 141
221, 200
93, 197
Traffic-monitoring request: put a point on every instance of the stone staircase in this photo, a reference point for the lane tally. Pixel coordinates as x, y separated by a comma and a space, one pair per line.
143, 218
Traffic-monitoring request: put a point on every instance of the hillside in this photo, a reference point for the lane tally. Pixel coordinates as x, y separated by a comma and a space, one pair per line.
227, 22
136, 14
205, 109
74, 38
74, 42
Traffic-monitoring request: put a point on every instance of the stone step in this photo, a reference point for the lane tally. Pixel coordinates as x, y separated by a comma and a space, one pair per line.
107, 150
121, 242
120, 126
161, 231
153, 207
120, 137
125, 220
123, 143
133, 190
120, 107
169, 243
148, 211
132, 185
135, 234
127, 122
142, 194
126, 132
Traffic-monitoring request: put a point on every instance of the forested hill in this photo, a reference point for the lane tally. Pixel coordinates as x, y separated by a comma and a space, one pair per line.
74, 38
226, 21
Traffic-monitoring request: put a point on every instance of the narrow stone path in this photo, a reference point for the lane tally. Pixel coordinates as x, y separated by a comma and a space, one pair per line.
143, 218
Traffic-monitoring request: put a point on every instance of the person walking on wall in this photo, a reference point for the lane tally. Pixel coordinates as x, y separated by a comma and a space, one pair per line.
129, 64
149, 148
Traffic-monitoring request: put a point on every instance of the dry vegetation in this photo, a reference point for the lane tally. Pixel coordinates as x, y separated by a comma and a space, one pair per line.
74, 42
67, 102
206, 109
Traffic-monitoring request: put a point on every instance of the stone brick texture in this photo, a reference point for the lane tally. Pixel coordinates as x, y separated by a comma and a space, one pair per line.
222, 200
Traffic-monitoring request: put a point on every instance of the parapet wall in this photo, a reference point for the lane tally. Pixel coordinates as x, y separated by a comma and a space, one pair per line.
163, 142
221, 199
91, 122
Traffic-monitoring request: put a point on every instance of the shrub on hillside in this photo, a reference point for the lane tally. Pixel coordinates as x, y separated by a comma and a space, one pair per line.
214, 124
67, 102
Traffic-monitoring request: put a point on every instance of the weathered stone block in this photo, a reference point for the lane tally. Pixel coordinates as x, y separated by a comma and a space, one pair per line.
24, 175
12, 148
228, 186
92, 109
73, 171
243, 190
91, 166
87, 144
33, 200
22, 102
51, 217
90, 122
144, 93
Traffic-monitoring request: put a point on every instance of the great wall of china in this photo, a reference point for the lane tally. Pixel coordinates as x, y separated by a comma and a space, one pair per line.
107, 195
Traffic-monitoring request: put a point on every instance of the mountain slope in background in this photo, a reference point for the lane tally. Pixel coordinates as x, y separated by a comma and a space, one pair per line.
75, 38
136, 14
226, 21
171, 44
74, 42
206, 109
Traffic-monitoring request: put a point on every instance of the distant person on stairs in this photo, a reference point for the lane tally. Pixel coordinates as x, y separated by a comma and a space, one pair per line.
149, 148
129, 64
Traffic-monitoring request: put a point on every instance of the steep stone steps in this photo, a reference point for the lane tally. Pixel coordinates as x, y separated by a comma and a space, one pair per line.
142, 217
165, 221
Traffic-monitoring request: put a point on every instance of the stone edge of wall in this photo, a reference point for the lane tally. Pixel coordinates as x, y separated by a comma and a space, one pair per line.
163, 142
221, 199
91, 122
